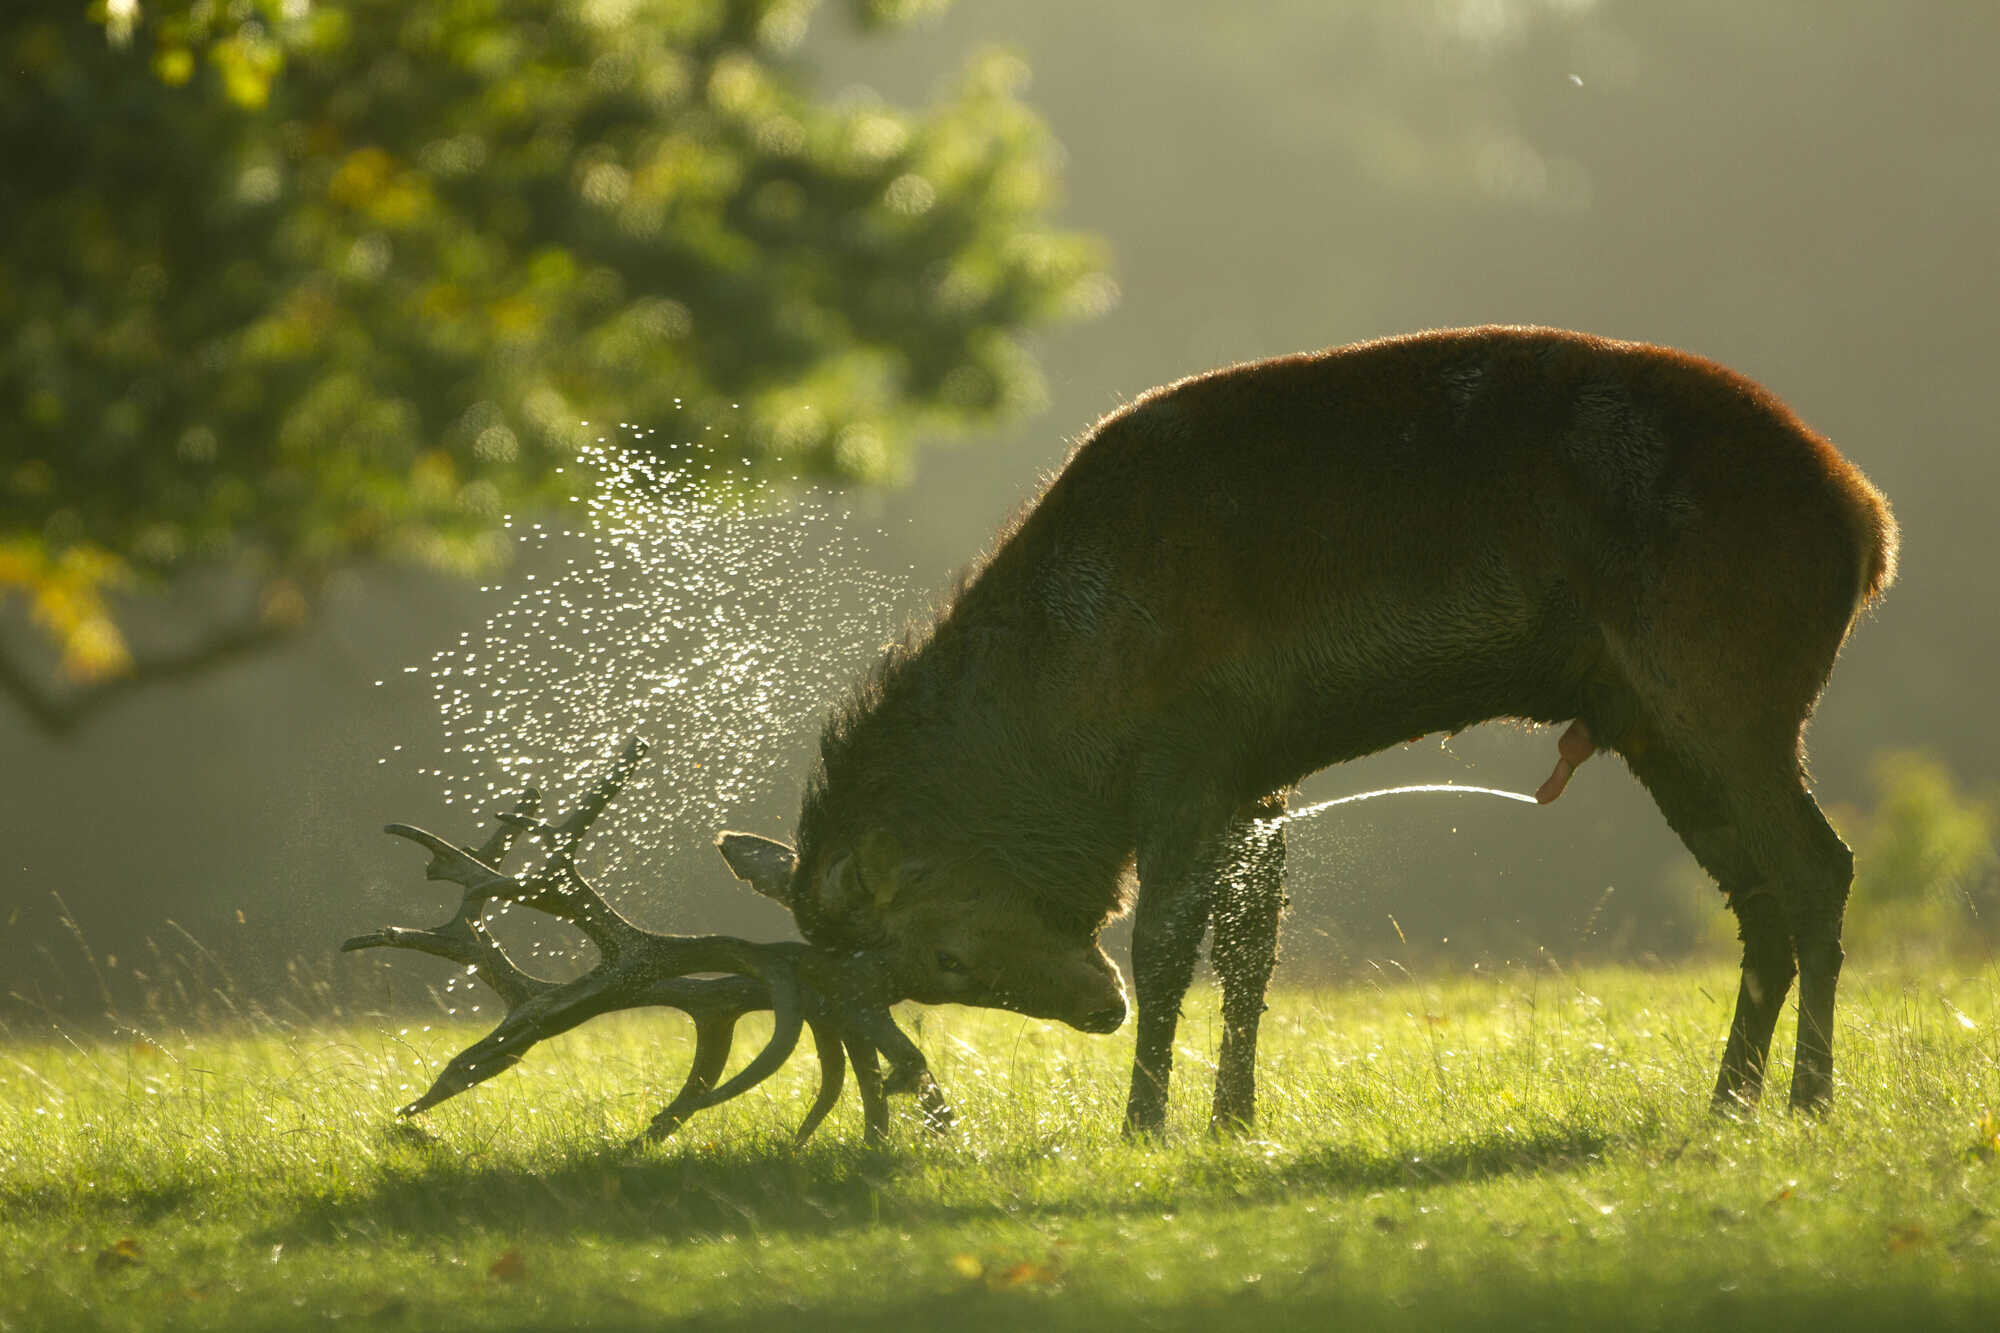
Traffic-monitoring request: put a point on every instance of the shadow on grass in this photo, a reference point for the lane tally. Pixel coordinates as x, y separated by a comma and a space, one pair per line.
759, 1189
1496, 1305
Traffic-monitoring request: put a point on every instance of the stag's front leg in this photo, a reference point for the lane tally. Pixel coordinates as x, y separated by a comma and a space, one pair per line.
1249, 896
1167, 926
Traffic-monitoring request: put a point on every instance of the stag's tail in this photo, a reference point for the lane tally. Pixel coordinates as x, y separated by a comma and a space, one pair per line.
1877, 538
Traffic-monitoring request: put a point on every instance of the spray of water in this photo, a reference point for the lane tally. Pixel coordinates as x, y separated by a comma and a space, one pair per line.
692, 606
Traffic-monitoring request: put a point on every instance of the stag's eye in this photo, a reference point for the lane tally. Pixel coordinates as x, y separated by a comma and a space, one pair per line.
948, 962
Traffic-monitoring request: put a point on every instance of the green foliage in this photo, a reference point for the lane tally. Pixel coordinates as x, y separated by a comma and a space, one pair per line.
1523, 1150
1924, 861
1926, 871
285, 283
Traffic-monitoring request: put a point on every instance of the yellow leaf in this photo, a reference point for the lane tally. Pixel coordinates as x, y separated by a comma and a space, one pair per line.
123, 1253
514, 317
434, 476
174, 66
1986, 1136
284, 603
93, 649
967, 1267
247, 65
1024, 1273
361, 176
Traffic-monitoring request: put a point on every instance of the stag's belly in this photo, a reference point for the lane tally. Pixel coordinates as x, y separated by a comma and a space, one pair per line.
1263, 705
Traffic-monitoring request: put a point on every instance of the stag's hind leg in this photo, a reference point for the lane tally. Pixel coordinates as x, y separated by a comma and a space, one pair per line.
1768, 969
1796, 844
1695, 808
1746, 814
1720, 672
1248, 897
1797, 853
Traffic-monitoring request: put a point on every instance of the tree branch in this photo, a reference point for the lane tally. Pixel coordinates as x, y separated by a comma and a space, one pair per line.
58, 712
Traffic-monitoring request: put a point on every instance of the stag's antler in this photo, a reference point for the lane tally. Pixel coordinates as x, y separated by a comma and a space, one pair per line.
636, 967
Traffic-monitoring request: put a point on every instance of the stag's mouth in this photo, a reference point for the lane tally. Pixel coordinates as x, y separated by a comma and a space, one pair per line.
1108, 1019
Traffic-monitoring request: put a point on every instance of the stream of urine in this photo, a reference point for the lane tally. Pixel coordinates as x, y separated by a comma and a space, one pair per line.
1307, 812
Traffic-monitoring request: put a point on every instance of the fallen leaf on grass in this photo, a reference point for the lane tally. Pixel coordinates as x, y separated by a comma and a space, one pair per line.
1970, 1231
1986, 1137
382, 1305
1024, 1273
509, 1267
411, 1133
1907, 1236
121, 1254
1001, 1276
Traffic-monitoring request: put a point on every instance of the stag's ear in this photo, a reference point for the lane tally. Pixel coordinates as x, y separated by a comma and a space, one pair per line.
765, 864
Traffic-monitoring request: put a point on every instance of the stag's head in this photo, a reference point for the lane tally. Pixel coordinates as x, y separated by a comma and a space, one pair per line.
936, 935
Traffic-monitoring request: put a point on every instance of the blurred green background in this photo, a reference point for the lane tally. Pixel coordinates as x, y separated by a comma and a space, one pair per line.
297, 297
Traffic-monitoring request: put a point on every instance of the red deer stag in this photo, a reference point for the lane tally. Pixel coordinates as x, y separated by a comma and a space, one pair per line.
1252, 574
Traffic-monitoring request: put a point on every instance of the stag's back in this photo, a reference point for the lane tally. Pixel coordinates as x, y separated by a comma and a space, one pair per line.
1290, 562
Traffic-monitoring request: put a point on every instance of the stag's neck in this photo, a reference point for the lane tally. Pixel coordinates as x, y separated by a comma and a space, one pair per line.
952, 749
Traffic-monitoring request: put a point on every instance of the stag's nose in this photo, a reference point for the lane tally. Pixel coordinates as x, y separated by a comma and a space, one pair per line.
1108, 1019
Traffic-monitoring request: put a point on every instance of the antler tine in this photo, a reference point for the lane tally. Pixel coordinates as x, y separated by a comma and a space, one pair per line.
776, 965
464, 938
647, 975
835, 1043
565, 836
513, 823
546, 1013
857, 987
574, 899
471, 946
868, 1082
832, 1053
714, 1035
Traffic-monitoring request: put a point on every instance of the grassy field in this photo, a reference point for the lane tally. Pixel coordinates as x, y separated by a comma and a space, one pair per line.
1523, 1150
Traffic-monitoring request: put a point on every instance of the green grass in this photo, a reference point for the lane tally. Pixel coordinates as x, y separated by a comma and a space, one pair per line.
1521, 1150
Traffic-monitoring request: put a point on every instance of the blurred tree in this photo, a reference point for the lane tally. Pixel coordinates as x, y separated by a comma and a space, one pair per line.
1925, 861
290, 283
1926, 870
